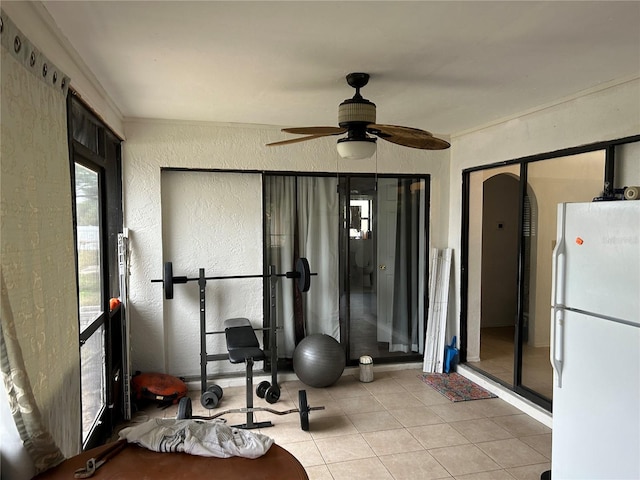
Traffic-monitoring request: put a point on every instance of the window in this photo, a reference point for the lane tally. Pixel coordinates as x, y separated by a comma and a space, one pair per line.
360, 215
91, 295
97, 187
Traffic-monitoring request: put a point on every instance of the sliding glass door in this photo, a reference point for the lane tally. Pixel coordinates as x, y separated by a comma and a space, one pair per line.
362, 268
574, 178
510, 234
366, 237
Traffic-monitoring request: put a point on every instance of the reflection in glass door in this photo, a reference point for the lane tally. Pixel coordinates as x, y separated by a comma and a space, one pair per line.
511, 231
492, 270
576, 178
367, 239
363, 267
386, 252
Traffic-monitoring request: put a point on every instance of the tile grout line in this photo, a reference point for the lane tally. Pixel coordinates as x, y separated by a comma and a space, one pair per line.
344, 401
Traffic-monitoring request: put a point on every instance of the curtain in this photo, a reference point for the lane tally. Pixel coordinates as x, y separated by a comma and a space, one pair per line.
318, 224
39, 316
280, 213
406, 299
302, 218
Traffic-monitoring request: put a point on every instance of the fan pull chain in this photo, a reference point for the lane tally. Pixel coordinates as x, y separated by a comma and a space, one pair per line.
376, 172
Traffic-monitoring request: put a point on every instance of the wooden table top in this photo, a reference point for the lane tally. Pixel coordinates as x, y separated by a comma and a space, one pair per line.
138, 463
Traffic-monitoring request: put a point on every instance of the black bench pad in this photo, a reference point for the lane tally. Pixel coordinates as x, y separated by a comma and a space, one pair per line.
242, 343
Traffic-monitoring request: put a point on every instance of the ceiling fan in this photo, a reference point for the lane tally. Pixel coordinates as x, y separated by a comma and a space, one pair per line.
357, 118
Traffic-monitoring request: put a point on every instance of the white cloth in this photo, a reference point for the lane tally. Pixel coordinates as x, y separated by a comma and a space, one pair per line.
204, 438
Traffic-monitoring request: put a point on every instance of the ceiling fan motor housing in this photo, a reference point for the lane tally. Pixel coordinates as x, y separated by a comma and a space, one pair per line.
356, 111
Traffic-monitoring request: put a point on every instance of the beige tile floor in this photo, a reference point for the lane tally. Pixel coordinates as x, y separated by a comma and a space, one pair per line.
496, 354
396, 427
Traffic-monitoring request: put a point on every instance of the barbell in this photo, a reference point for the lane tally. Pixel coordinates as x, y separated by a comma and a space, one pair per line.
302, 274
185, 411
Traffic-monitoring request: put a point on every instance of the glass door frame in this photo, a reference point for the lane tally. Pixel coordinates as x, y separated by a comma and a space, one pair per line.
344, 187
344, 283
95, 147
608, 182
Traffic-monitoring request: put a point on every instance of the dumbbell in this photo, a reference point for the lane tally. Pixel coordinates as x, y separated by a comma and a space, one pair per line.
211, 397
271, 393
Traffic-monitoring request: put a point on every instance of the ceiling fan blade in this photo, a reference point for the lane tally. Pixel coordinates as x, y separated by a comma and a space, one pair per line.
295, 140
408, 137
316, 130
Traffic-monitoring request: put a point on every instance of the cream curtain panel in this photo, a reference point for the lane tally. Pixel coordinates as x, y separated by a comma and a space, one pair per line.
39, 316
315, 201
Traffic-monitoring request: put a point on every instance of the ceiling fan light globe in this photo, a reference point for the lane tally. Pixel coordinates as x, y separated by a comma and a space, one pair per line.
356, 149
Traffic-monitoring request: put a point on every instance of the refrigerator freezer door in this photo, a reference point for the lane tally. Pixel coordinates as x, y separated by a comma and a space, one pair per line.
596, 413
602, 264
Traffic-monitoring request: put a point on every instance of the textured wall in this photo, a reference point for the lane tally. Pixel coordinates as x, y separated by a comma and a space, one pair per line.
152, 145
210, 220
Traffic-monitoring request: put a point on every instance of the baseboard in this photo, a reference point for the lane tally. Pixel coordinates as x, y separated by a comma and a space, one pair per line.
238, 380
522, 404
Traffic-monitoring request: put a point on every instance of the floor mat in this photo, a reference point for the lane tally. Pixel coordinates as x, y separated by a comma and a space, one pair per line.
456, 387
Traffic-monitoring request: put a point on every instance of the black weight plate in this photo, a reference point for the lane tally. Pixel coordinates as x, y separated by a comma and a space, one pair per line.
304, 274
167, 280
304, 410
273, 394
217, 389
209, 400
184, 409
262, 388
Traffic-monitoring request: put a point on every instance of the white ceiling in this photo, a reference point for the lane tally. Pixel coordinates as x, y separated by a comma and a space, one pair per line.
441, 66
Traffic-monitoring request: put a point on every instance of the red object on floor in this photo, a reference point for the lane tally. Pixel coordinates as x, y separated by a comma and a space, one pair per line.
159, 387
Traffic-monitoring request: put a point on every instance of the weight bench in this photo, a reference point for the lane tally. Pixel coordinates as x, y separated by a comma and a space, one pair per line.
243, 347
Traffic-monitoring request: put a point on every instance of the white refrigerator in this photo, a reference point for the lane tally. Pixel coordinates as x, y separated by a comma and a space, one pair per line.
595, 342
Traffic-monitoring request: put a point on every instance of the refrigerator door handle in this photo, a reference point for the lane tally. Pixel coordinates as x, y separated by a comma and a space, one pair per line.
557, 353
559, 258
558, 261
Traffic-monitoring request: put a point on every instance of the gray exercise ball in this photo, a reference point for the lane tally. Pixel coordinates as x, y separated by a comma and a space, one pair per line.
319, 360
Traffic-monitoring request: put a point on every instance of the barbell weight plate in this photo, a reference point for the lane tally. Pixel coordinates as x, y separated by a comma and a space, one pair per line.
217, 389
303, 274
304, 410
209, 400
273, 394
167, 280
262, 388
184, 409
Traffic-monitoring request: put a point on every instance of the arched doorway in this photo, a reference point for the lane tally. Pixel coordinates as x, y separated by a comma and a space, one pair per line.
499, 264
